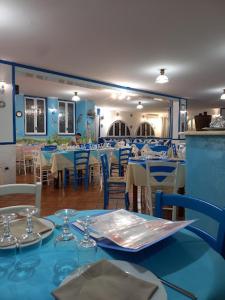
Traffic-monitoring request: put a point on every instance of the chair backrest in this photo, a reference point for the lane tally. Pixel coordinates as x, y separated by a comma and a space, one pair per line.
162, 173
124, 155
34, 189
105, 167
81, 159
212, 211
49, 148
174, 148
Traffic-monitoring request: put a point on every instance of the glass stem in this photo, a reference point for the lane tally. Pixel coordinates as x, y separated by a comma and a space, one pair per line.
29, 228
86, 231
66, 230
6, 228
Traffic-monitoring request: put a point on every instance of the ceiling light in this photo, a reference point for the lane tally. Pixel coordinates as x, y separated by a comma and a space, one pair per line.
2, 86
223, 95
128, 98
139, 106
76, 97
162, 78
114, 96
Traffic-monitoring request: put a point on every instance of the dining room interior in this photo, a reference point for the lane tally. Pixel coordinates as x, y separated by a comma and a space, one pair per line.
112, 150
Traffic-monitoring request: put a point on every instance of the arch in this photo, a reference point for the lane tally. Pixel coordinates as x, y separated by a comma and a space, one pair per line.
119, 128
145, 129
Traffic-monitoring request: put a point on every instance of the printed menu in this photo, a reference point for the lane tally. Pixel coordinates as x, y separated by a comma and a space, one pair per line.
131, 231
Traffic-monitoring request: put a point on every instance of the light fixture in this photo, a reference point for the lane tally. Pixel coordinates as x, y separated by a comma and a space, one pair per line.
162, 78
76, 97
139, 106
2, 86
121, 96
223, 95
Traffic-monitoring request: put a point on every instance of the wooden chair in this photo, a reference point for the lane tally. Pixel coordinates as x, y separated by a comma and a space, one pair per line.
11, 189
41, 173
113, 186
161, 175
124, 155
208, 209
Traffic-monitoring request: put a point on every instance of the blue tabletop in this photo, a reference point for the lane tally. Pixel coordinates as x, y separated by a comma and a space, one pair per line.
183, 259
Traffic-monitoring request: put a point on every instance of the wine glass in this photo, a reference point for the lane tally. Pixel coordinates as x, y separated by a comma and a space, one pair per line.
87, 247
29, 245
7, 239
65, 214
8, 245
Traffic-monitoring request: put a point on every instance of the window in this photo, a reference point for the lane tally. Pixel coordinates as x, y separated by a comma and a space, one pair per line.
66, 117
35, 116
119, 128
145, 129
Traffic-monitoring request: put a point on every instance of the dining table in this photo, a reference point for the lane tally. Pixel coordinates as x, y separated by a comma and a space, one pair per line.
136, 175
183, 259
59, 160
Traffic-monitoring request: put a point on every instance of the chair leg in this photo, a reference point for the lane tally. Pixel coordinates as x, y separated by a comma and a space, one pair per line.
66, 175
127, 202
174, 213
106, 197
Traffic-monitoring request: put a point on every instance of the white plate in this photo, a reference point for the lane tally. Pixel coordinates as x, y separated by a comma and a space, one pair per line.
135, 270
47, 223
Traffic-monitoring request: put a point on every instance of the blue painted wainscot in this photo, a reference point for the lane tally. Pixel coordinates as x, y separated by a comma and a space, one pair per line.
205, 173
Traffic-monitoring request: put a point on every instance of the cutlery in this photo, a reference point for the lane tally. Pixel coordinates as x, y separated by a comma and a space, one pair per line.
178, 289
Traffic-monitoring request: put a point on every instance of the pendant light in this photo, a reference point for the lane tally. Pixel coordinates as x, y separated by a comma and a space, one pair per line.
76, 97
223, 95
139, 106
162, 78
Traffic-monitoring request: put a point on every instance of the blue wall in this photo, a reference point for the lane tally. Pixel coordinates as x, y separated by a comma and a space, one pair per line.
83, 123
205, 174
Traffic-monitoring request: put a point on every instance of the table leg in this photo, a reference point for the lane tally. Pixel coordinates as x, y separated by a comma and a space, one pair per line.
135, 204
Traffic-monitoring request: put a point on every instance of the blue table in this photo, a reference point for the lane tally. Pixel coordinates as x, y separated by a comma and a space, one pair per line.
183, 259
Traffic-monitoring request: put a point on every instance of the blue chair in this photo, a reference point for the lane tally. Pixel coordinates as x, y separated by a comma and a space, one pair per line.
80, 170
212, 211
49, 148
113, 186
124, 155
174, 149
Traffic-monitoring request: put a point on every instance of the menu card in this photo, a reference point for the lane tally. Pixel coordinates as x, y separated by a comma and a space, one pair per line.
128, 230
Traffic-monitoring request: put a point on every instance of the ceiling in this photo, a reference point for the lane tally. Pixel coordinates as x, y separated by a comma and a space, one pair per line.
45, 85
123, 41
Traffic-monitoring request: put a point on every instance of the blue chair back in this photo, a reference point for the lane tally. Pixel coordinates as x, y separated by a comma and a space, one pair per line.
158, 148
81, 159
105, 167
174, 148
212, 211
49, 148
124, 155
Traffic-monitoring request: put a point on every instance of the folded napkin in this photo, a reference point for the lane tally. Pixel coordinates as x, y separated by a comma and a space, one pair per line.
102, 281
18, 227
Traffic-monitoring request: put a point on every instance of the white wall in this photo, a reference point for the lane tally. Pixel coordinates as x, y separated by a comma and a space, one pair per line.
7, 151
132, 119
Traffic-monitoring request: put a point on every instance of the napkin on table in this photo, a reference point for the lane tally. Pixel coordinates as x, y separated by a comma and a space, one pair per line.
105, 281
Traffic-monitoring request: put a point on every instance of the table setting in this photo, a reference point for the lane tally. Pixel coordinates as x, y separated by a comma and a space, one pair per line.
71, 263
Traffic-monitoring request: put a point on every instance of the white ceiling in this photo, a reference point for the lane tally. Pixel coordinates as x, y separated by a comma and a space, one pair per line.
45, 85
122, 41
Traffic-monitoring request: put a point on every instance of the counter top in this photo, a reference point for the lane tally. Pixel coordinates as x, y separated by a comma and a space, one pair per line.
206, 133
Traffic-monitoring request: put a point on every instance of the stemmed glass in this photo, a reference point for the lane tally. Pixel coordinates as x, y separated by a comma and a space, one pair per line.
30, 236
7, 239
87, 247
65, 247
65, 214
8, 244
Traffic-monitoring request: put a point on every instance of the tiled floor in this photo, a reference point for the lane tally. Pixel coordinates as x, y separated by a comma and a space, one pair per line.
54, 198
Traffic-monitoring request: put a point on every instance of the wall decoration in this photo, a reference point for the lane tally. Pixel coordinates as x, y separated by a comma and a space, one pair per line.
19, 114
2, 104
91, 113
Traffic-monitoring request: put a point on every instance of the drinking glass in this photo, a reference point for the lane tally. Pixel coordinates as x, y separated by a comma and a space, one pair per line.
8, 245
7, 239
66, 214
87, 247
29, 246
